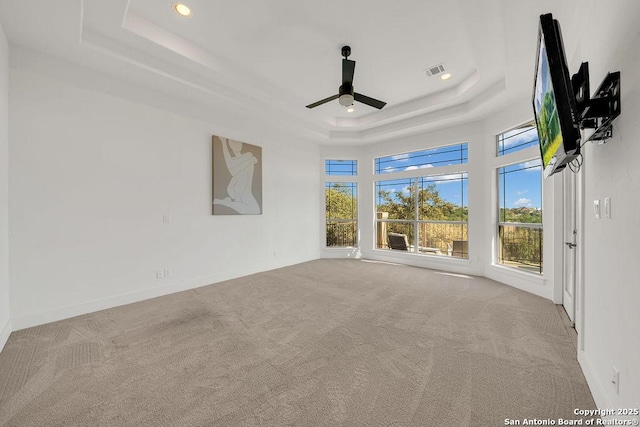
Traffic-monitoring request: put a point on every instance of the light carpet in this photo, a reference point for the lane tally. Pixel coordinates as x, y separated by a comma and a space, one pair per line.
327, 343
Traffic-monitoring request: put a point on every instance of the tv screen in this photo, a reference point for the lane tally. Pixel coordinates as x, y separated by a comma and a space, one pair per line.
554, 103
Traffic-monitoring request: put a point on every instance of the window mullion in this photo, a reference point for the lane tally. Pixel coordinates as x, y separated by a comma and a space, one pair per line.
417, 216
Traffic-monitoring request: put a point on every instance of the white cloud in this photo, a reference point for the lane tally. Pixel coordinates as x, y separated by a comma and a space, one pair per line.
522, 202
389, 169
449, 178
401, 157
413, 167
517, 137
532, 164
402, 190
520, 193
516, 140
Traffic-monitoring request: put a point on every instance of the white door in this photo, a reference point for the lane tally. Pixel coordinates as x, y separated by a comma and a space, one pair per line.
570, 244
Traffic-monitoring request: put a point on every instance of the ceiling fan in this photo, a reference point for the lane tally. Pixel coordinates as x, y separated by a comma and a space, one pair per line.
346, 95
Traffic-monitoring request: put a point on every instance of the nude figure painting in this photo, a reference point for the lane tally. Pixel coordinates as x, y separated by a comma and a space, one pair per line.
237, 177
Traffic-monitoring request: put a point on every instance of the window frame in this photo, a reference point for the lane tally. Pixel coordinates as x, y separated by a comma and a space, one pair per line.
353, 186
526, 154
509, 151
329, 162
415, 175
341, 179
462, 147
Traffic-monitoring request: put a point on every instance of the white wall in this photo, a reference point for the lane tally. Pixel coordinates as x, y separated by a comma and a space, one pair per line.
5, 324
91, 178
611, 287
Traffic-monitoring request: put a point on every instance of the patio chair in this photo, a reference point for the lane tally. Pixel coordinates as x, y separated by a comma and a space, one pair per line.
398, 241
460, 248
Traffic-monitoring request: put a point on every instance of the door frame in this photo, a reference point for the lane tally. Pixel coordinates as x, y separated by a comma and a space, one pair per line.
569, 242
579, 291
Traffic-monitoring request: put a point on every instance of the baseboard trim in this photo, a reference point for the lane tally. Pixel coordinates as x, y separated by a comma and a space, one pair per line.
39, 318
54, 315
597, 391
527, 282
4, 334
441, 263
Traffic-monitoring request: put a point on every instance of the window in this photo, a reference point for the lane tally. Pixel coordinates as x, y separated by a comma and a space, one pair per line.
424, 214
517, 139
443, 156
341, 214
341, 204
520, 212
341, 167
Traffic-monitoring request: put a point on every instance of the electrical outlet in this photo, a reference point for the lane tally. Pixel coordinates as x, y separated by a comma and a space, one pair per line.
167, 272
160, 274
596, 208
166, 219
615, 380
607, 207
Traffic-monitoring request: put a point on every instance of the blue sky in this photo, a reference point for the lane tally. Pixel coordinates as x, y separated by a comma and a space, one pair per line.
522, 181
522, 184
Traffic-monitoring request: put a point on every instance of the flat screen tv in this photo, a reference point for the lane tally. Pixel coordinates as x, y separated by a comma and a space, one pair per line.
554, 102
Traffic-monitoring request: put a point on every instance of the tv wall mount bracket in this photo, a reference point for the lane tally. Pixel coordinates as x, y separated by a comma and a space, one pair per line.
602, 108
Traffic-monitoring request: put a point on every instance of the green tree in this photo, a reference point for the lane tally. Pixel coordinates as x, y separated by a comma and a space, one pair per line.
340, 201
341, 214
521, 215
431, 207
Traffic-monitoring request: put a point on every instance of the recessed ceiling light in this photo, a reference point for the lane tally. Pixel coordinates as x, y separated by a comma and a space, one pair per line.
445, 76
182, 9
350, 110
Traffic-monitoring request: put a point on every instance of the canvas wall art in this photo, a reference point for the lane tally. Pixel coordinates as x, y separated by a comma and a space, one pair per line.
237, 177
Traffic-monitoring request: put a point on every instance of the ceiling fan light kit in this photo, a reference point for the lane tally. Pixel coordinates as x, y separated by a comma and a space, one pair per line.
346, 95
345, 98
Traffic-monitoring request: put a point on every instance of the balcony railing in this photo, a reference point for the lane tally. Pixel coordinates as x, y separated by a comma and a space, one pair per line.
520, 246
448, 238
342, 233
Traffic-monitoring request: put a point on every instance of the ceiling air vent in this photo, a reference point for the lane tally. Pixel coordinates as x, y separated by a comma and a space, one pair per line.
436, 69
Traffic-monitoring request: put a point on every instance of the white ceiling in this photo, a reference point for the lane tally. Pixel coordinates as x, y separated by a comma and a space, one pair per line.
270, 58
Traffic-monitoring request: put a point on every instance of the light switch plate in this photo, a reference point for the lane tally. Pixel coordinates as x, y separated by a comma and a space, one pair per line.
596, 208
607, 207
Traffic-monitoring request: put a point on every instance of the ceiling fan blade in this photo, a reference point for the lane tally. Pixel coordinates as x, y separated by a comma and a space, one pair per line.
369, 101
324, 101
348, 68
